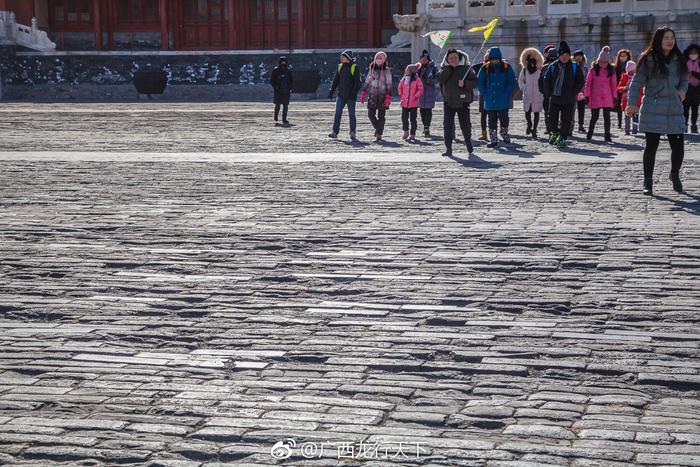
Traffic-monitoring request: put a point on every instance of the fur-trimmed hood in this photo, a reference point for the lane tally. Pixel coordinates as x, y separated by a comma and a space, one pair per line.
463, 58
533, 52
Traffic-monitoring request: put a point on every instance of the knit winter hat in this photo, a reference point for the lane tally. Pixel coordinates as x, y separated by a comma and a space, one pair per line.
495, 52
283, 60
631, 66
379, 54
414, 68
348, 54
425, 54
564, 48
547, 48
604, 55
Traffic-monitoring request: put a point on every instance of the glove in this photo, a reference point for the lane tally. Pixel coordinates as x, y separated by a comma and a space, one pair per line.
363, 97
387, 101
330, 95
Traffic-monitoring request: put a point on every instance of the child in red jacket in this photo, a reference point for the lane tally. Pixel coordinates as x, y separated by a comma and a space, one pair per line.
623, 88
410, 90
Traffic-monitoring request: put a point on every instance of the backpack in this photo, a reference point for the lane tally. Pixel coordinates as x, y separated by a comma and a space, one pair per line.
352, 68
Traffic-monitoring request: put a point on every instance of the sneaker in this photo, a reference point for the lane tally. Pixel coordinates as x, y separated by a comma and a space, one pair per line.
286, 122
333, 135
534, 134
694, 129
412, 138
406, 134
581, 129
627, 132
353, 135
426, 132
553, 138
608, 138
561, 142
447, 153
648, 187
378, 137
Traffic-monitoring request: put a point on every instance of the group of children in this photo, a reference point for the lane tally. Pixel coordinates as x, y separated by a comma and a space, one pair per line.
555, 82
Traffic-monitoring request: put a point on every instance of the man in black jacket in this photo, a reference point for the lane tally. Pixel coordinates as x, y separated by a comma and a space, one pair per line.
282, 82
562, 82
347, 82
457, 82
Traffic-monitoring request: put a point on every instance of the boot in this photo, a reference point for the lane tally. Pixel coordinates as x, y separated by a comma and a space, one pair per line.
426, 132
534, 134
581, 128
470, 147
648, 187
608, 138
484, 136
676, 179
529, 128
277, 117
447, 153
553, 138
504, 135
406, 134
493, 136
694, 129
589, 135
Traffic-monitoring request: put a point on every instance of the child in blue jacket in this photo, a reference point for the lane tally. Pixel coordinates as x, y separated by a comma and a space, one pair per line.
496, 82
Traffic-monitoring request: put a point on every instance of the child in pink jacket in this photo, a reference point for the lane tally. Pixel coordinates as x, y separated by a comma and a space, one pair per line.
410, 90
601, 92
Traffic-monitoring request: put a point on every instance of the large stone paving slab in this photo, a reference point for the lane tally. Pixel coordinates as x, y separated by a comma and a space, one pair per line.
415, 311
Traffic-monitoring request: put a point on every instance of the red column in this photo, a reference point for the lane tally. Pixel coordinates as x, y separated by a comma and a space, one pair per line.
301, 24
373, 19
164, 41
3, 5
97, 24
233, 14
32, 9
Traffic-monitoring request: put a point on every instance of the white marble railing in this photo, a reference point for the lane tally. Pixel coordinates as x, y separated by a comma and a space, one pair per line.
26, 36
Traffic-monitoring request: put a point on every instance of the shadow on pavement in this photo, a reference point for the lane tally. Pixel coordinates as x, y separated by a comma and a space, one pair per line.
692, 205
475, 162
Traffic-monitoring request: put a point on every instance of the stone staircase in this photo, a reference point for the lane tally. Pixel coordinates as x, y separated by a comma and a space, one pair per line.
18, 34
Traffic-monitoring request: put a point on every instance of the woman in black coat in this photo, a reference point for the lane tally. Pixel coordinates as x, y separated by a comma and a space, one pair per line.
282, 82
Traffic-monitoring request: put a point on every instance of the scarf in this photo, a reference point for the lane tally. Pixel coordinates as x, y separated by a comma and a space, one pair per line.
694, 66
559, 84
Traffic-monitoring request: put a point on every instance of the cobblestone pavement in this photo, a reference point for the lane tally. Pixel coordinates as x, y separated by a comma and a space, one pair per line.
440, 311
245, 127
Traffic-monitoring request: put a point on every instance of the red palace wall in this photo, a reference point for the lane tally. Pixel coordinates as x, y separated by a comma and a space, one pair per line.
213, 24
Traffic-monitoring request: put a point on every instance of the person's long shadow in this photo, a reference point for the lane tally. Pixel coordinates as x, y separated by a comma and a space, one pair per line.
356, 143
475, 162
513, 149
388, 144
587, 152
692, 206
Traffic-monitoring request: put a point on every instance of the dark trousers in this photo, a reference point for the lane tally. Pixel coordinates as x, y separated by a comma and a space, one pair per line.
581, 108
618, 109
378, 118
411, 113
483, 120
595, 115
465, 123
546, 113
530, 124
426, 116
496, 116
652, 145
564, 113
285, 109
340, 104
690, 111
